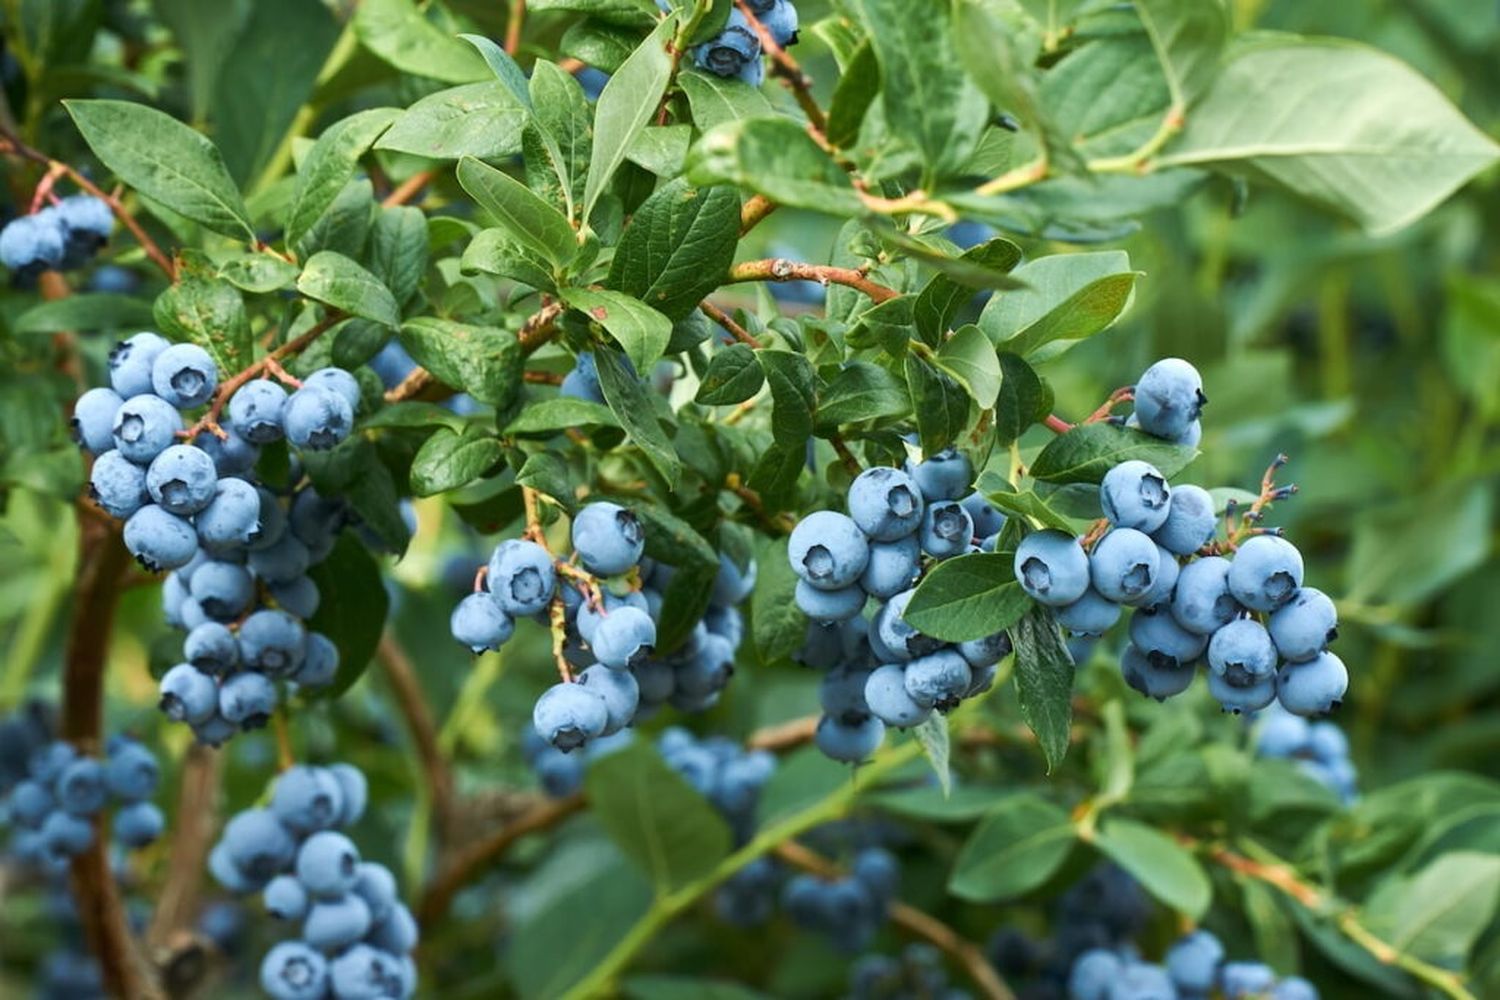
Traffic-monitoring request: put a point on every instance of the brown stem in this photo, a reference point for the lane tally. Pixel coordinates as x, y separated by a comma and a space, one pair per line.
1056, 424
417, 380
192, 836
1117, 397
402, 677
722, 318
789, 70
781, 524
778, 269
916, 922
542, 378
851, 464
786, 736
408, 189
513, 26
756, 208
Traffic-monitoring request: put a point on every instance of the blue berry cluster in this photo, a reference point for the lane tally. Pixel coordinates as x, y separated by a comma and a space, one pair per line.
848, 910
1320, 749
736, 51
52, 794
884, 671
1194, 966
561, 774
356, 934
917, 974
239, 554
60, 237
609, 610
1244, 613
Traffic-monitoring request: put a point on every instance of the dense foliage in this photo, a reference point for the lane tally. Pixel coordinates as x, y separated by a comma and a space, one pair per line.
680, 498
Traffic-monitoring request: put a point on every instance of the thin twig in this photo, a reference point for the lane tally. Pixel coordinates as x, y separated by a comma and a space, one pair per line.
851, 464
779, 269
416, 380
1123, 395
789, 70
722, 318
513, 26
412, 703
786, 736
408, 189
1056, 424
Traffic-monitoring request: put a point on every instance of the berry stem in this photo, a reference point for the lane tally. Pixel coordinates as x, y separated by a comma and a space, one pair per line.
1121, 395
780, 269
1056, 424
285, 756
722, 318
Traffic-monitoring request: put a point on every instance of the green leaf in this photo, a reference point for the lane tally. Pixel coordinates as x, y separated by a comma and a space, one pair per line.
944, 295
476, 119
398, 250
999, 47
448, 460
887, 325
640, 330
940, 403
505, 68
861, 391
1439, 913
528, 219
928, 99
687, 988
566, 122
1029, 505
411, 413
655, 817
715, 99
774, 157
678, 247
1349, 127
793, 395
970, 357
1068, 297
967, 803
484, 361
1107, 97
345, 227
330, 164
626, 13
1018, 847
968, 597
857, 89
1044, 682
661, 149
1085, 453
637, 413
549, 416
932, 734
85, 314
336, 280
547, 474
209, 312
598, 44
1022, 400
399, 34
495, 251
1189, 37
733, 376
1406, 552
777, 625
259, 272
625, 106
1162, 866
352, 605
164, 160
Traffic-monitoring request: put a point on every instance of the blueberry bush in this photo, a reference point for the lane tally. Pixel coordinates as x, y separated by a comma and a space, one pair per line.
731, 498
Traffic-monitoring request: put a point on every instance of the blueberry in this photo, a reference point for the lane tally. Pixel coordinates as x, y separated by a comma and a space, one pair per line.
619, 692
521, 577
181, 479
271, 524
188, 695
587, 618
1052, 567
397, 932
825, 606
247, 700
1243, 980
707, 669
365, 972
625, 638
988, 521
1124, 566
1169, 398
939, 679
1294, 988
1236, 699
317, 418
948, 475
30, 802
1202, 602
32, 243
80, 787
294, 972
1093, 973
1327, 742
569, 715
1193, 962
315, 519
1304, 626
93, 421
1167, 644
847, 740
117, 485
1154, 676
272, 641
338, 381
320, 663
256, 410
608, 538
898, 636
215, 731
232, 517
64, 835
137, 824
478, 623
160, 540
878, 869
258, 844
1139, 981
222, 866
1242, 653
283, 561
885, 503
144, 427
985, 652
375, 884
892, 567
299, 596
1190, 523
85, 215
578, 385
286, 898
733, 52
392, 364
1279, 733
328, 865
130, 363
354, 791
828, 550
334, 924
885, 694
726, 622
1135, 494
732, 585
307, 799
223, 590
1089, 615
780, 19
1313, 688
842, 693
184, 375
1265, 573
947, 529
1168, 569
46, 762
131, 771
